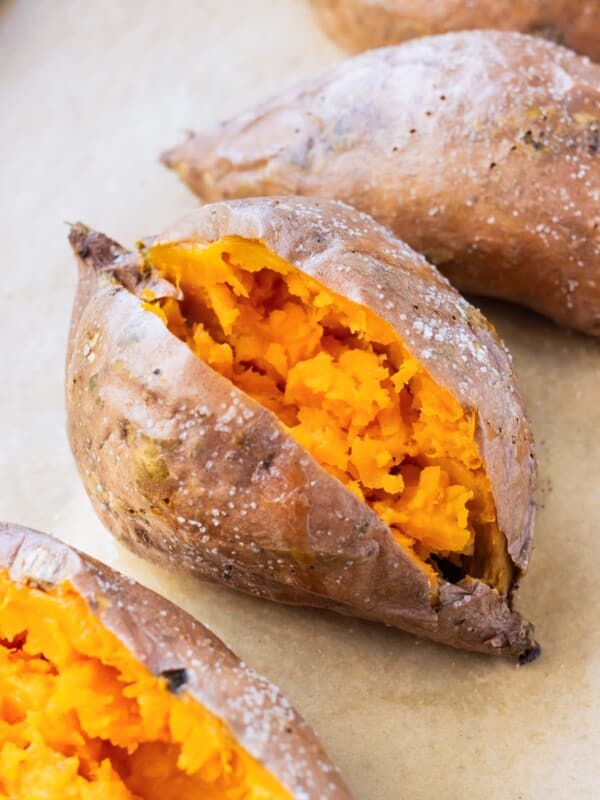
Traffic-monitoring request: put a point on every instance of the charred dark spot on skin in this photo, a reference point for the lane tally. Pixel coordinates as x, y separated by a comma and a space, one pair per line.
547, 32
227, 572
593, 140
533, 652
244, 447
156, 371
264, 466
176, 679
126, 430
530, 139
142, 536
450, 572
38, 583
301, 158
372, 550
83, 251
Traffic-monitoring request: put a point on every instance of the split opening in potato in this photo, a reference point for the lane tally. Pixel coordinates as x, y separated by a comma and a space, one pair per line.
343, 383
81, 717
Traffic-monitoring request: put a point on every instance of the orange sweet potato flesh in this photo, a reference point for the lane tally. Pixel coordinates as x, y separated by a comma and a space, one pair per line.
82, 719
344, 385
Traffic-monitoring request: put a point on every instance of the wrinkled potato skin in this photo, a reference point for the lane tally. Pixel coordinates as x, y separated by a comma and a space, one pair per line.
363, 24
191, 472
163, 637
480, 149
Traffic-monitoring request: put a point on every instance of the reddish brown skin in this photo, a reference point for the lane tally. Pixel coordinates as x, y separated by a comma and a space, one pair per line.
480, 149
364, 24
190, 472
164, 638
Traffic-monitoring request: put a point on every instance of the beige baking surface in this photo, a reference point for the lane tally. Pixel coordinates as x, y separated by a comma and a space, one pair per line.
89, 94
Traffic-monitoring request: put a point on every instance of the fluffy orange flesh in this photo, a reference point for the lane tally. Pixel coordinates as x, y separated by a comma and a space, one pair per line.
342, 382
82, 719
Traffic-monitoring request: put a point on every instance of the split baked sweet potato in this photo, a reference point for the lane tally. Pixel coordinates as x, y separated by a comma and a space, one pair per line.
480, 149
277, 395
109, 692
364, 24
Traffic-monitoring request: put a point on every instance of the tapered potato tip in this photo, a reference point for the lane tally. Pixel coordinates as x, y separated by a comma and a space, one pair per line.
93, 248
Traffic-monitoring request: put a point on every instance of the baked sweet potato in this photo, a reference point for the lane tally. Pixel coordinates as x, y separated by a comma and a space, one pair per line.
480, 149
108, 691
277, 395
364, 24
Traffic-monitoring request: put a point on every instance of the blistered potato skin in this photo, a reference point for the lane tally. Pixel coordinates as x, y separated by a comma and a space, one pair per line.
163, 637
480, 149
190, 472
364, 24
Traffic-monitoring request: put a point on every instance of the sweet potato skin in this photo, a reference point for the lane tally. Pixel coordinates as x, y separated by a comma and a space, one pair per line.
364, 24
189, 471
163, 637
480, 149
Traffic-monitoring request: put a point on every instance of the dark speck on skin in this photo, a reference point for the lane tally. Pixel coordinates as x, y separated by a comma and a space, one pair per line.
176, 679
142, 535
535, 143
531, 654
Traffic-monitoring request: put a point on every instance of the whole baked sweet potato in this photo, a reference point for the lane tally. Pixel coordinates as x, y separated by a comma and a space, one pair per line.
108, 691
480, 149
364, 24
279, 396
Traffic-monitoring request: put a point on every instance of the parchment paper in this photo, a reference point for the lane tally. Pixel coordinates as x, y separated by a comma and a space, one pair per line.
89, 95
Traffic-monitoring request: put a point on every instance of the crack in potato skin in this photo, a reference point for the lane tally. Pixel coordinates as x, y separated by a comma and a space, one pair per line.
343, 384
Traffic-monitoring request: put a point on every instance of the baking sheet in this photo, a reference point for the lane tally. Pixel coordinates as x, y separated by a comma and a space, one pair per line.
89, 95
